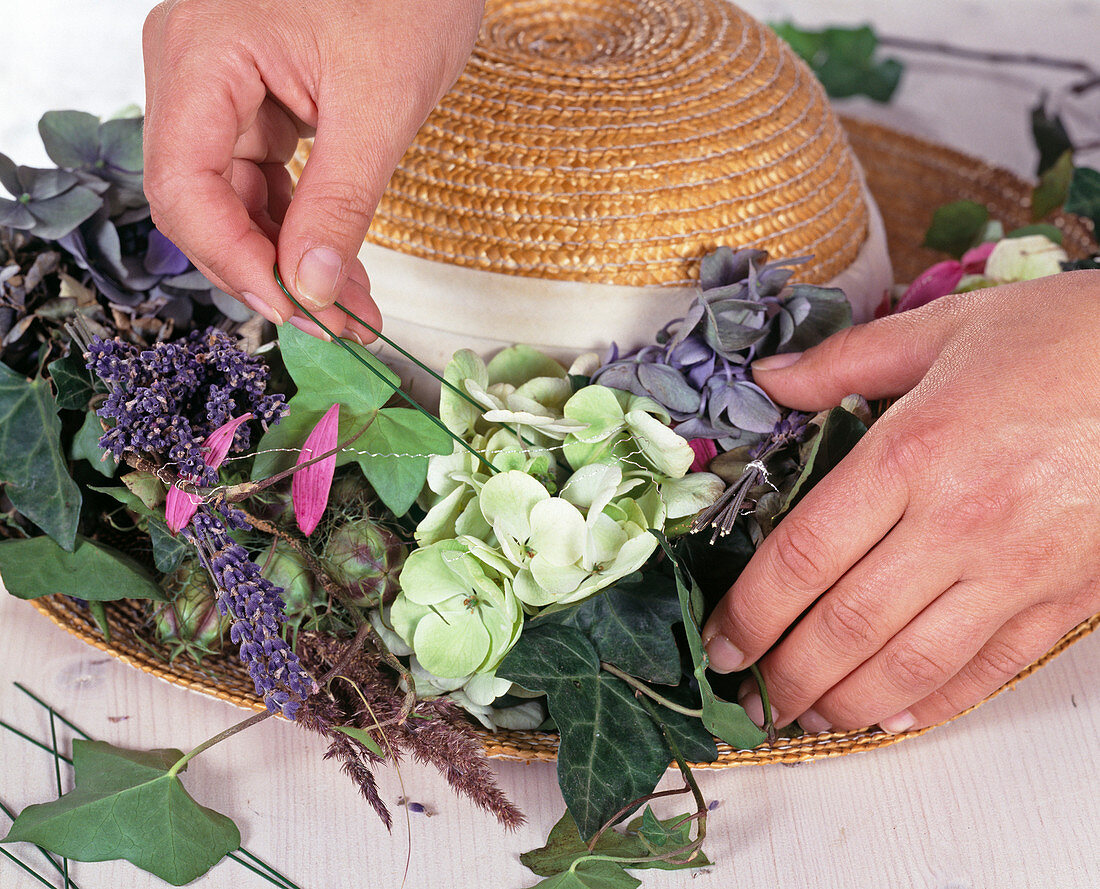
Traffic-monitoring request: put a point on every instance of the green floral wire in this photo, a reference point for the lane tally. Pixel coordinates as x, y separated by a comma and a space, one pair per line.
45, 853
397, 389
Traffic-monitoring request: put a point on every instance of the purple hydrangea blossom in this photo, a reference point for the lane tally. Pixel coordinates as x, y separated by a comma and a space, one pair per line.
255, 606
166, 400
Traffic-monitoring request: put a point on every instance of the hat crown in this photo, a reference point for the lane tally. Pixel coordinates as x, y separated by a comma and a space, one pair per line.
618, 141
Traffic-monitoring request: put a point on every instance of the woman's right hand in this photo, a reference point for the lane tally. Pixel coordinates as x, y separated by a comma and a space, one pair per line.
231, 85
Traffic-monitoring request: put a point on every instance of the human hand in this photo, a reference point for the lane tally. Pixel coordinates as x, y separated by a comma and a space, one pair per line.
959, 540
231, 85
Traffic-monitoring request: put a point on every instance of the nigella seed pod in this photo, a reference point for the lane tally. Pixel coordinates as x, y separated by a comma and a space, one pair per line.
192, 621
366, 559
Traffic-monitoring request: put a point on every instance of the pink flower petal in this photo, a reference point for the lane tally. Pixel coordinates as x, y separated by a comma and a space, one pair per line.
309, 488
932, 283
973, 261
180, 505
705, 450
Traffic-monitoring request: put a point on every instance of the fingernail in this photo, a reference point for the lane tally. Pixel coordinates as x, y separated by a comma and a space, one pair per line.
261, 308
307, 326
724, 656
776, 362
899, 723
318, 272
813, 722
359, 333
754, 709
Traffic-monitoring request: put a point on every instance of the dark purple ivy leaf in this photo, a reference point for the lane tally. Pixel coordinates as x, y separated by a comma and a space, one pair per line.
59, 215
668, 387
724, 266
701, 372
15, 215
799, 306
42, 185
771, 280
687, 326
163, 257
621, 375
698, 427
691, 351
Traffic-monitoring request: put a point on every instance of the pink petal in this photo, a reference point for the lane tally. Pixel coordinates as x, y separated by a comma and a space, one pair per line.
218, 442
179, 508
309, 488
973, 261
705, 450
932, 283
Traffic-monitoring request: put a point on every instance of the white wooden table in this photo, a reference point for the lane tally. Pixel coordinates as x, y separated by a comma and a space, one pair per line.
1006, 798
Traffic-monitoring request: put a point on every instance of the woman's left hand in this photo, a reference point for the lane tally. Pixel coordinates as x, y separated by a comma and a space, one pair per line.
959, 540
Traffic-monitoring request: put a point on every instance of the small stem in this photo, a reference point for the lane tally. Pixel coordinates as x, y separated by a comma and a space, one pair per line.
995, 57
638, 685
205, 745
769, 722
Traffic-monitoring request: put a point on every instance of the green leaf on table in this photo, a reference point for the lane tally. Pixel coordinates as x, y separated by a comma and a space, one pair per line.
169, 550
32, 464
71, 381
844, 60
838, 435
564, 846
724, 719
39, 567
630, 625
1050, 136
593, 874
85, 446
610, 752
363, 737
1053, 187
660, 837
956, 227
1084, 195
126, 805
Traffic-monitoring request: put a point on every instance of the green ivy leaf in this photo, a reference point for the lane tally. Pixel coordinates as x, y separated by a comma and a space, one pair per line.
1084, 195
31, 462
407, 434
1053, 187
564, 846
71, 382
363, 737
148, 488
630, 626
724, 719
126, 806
663, 836
326, 374
1050, 136
610, 752
85, 446
839, 434
39, 567
591, 874
169, 551
843, 60
956, 227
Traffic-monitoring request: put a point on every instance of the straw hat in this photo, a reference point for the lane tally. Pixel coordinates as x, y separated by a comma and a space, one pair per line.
590, 154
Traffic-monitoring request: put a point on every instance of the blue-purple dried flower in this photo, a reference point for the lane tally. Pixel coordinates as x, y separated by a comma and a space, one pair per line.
255, 606
166, 400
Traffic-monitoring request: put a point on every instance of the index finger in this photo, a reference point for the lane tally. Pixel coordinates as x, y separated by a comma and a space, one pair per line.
195, 118
838, 522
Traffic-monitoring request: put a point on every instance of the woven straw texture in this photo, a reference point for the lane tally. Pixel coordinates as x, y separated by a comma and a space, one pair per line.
618, 141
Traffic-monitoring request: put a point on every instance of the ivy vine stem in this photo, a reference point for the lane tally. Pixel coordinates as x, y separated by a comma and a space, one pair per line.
638, 685
769, 721
217, 739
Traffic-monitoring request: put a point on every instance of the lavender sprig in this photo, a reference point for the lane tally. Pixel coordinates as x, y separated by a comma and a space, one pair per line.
255, 606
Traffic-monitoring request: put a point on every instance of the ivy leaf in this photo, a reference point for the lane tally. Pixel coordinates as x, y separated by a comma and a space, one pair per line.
71, 382
1053, 187
393, 455
593, 874
610, 752
630, 626
839, 434
1048, 231
661, 837
39, 567
843, 60
564, 846
1050, 136
955, 227
127, 805
148, 488
85, 446
363, 737
168, 550
31, 462
1084, 195
326, 374
724, 719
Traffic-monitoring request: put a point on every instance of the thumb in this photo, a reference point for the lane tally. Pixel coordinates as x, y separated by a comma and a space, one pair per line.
332, 208
883, 359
